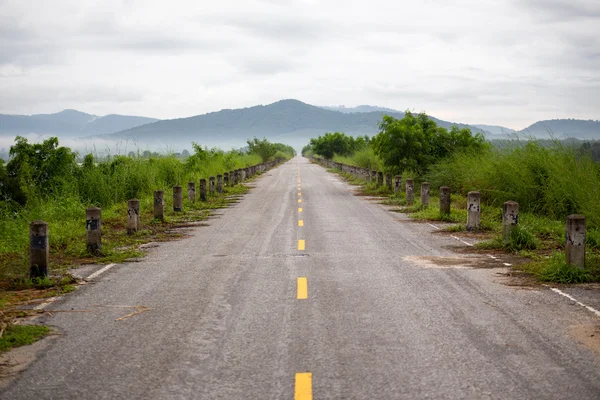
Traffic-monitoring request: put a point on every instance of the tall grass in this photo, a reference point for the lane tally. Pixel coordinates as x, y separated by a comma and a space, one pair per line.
551, 181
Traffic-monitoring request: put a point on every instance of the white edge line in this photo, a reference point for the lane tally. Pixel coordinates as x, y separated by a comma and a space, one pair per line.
99, 272
46, 303
432, 225
593, 310
460, 240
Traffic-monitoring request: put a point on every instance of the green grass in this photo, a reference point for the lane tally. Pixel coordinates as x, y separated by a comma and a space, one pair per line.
555, 269
21, 335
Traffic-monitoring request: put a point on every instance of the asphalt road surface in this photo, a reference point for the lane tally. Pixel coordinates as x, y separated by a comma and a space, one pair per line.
304, 290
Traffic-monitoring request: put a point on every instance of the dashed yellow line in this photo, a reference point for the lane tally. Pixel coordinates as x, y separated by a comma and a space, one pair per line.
303, 387
301, 244
299, 200
302, 288
299, 209
300, 222
299, 194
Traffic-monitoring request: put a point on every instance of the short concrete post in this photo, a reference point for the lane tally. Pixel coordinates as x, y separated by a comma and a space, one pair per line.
575, 241
380, 178
373, 176
510, 218
93, 228
397, 184
159, 204
211, 185
425, 187
220, 183
444, 200
39, 251
177, 198
192, 191
203, 189
242, 175
232, 178
226, 179
410, 192
389, 182
133, 216
367, 174
473, 210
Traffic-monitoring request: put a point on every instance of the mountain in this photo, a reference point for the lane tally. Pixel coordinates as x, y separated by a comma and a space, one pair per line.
564, 128
360, 109
68, 123
289, 121
495, 129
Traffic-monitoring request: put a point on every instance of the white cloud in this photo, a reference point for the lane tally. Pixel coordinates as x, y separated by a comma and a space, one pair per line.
497, 62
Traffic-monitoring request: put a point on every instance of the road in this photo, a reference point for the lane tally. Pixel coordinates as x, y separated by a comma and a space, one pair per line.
373, 307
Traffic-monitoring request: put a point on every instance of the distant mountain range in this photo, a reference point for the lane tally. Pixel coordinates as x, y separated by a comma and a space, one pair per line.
288, 121
68, 123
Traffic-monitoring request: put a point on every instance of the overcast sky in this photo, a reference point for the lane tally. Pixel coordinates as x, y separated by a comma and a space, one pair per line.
499, 62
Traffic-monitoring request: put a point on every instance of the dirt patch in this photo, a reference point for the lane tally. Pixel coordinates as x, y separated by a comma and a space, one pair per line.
456, 262
588, 335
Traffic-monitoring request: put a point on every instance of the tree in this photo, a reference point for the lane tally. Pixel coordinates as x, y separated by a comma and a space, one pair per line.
333, 143
416, 142
263, 148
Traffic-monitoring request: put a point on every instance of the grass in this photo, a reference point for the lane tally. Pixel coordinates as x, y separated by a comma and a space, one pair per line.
21, 335
555, 269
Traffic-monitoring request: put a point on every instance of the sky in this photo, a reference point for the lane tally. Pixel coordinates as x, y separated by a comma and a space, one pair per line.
498, 62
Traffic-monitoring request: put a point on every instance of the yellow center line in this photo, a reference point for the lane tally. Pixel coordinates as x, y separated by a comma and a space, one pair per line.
303, 388
302, 292
300, 222
301, 244
299, 209
299, 200
299, 194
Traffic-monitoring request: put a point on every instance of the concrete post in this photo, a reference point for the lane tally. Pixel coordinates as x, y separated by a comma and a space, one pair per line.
192, 191
203, 189
380, 178
242, 175
473, 210
389, 182
444, 200
133, 216
510, 218
373, 176
410, 192
575, 241
397, 184
425, 186
226, 179
232, 178
367, 174
177, 198
211, 185
93, 228
159, 204
220, 183
39, 251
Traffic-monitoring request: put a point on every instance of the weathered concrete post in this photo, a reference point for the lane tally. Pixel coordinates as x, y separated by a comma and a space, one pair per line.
389, 182
211, 185
159, 204
397, 184
575, 241
242, 175
203, 189
373, 176
226, 179
39, 251
367, 174
510, 218
425, 186
232, 178
220, 183
380, 178
410, 192
444, 200
192, 191
473, 210
93, 228
133, 216
177, 198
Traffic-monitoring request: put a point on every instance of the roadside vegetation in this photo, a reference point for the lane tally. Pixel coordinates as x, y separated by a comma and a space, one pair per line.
45, 181
548, 179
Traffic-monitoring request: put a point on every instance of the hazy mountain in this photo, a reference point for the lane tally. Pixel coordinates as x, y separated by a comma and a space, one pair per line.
495, 129
360, 109
289, 121
68, 123
564, 128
